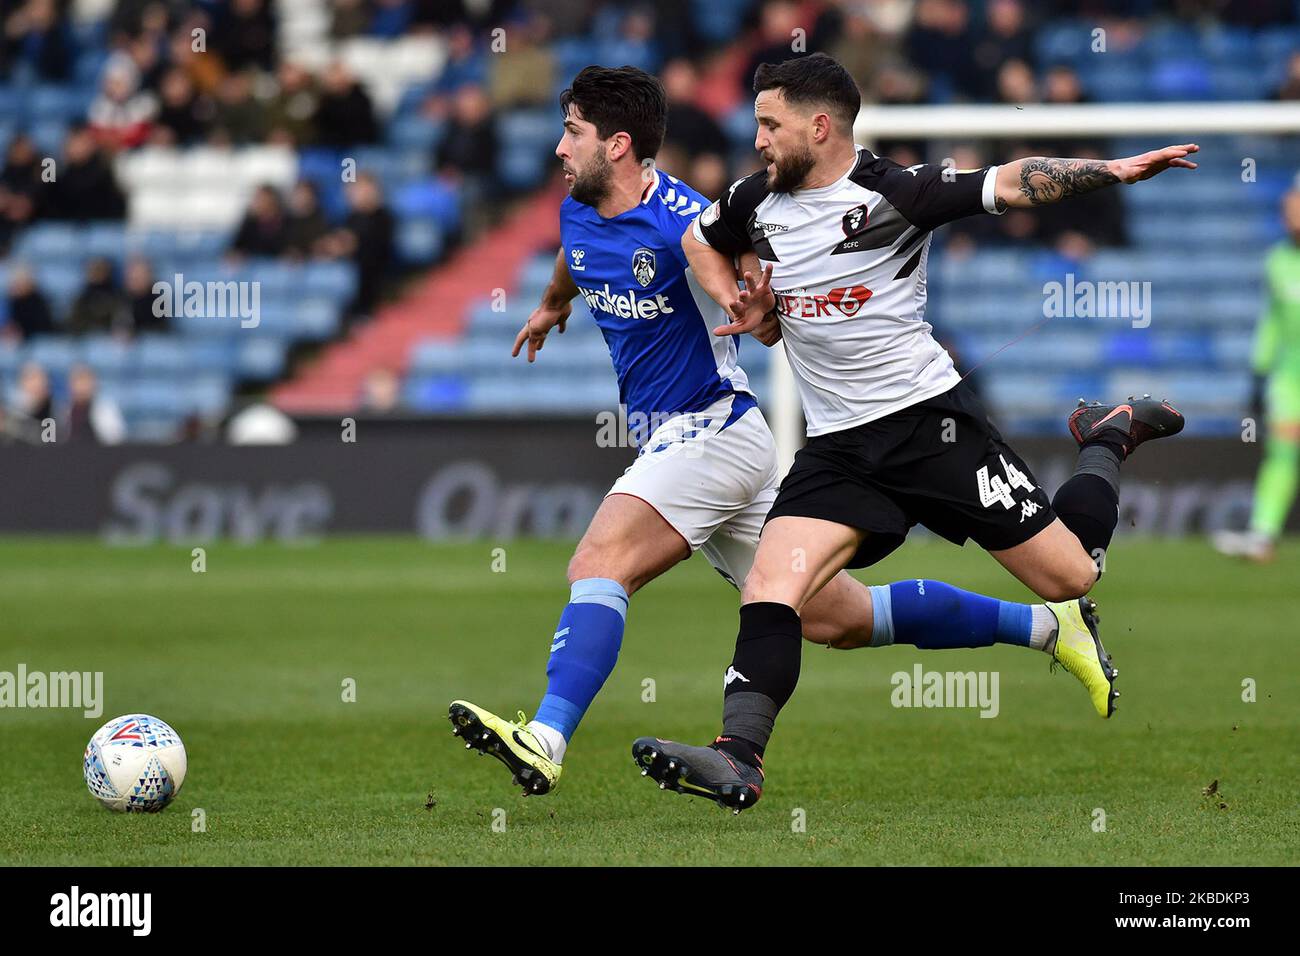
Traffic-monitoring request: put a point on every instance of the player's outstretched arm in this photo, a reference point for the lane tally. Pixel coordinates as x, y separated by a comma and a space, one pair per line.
1038, 180
716, 274
553, 310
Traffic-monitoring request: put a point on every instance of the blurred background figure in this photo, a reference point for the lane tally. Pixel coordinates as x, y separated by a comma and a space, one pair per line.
27, 310
28, 408
85, 187
1275, 404
307, 224
100, 306
265, 229
365, 238
383, 392
89, 416
137, 286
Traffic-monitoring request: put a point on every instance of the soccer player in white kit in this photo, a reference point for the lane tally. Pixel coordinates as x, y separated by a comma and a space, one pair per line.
895, 437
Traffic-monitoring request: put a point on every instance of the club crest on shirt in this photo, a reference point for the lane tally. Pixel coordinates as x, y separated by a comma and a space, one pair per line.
854, 220
643, 266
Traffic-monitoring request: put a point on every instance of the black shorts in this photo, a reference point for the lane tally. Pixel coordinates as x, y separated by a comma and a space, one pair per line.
940, 463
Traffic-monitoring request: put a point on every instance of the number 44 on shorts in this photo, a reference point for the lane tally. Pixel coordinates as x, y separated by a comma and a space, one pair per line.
995, 488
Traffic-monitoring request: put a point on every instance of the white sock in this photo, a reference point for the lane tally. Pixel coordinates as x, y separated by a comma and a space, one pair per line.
551, 739
1042, 634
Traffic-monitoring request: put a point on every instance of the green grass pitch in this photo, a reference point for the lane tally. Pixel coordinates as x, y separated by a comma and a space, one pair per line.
247, 661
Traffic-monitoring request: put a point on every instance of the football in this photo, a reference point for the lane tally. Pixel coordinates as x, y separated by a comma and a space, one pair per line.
135, 764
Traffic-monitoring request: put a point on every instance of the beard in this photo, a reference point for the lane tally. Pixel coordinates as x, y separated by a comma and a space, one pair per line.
592, 186
790, 170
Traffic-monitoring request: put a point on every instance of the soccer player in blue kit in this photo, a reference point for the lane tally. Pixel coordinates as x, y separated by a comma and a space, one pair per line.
706, 472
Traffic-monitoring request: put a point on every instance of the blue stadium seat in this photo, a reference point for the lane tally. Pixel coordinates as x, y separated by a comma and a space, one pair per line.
419, 240
529, 136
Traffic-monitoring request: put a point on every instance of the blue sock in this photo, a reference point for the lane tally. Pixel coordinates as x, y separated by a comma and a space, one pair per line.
583, 652
934, 615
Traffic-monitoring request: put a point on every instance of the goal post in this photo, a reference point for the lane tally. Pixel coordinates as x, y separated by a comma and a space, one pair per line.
1182, 121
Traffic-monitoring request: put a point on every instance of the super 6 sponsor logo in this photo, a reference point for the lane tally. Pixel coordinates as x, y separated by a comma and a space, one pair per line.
846, 300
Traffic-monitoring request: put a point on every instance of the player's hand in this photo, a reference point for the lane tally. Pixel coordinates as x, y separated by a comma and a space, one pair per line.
769, 330
754, 302
538, 326
1137, 168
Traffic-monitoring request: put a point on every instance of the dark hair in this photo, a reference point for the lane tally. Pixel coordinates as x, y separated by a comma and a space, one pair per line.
624, 100
816, 80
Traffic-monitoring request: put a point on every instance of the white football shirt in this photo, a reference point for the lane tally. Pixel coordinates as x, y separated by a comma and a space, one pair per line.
848, 269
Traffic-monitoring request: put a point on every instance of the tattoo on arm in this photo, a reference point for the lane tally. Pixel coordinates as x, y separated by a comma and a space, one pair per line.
1045, 180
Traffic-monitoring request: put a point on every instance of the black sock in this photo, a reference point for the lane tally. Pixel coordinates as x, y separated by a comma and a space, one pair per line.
1088, 503
761, 678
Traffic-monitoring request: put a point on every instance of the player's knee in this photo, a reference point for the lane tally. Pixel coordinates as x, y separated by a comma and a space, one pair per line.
589, 562
1072, 581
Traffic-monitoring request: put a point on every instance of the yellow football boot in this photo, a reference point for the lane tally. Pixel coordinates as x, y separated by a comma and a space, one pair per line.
510, 742
1078, 649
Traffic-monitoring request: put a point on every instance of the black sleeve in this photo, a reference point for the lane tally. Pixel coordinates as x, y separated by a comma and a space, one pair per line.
930, 194
725, 224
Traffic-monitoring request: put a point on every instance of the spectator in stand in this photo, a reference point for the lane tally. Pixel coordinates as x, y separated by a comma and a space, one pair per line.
204, 69
35, 41
692, 133
244, 34
468, 154
344, 116
527, 76
940, 44
390, 18
147, 52
466, 63
21, 189
140, 298
634, 41
1016, 83
240, 118
122, 116
1006, 36
307, 225
381, 392
350, 18
483, 14
184, 114
86, 188
1290, 88
777, 22
864, 49
291, 112
100, 306
1061, 85
88, 415
131, 18
366, 237
29, 405
28, 309
265, 229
